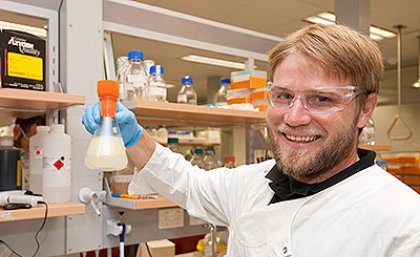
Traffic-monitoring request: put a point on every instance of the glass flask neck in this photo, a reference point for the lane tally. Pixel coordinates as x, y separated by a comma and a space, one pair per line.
108, 127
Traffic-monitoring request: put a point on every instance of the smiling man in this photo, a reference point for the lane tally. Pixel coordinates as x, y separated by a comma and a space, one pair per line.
321, 196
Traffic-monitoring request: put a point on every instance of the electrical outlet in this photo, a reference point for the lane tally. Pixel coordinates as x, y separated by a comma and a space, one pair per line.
171, 218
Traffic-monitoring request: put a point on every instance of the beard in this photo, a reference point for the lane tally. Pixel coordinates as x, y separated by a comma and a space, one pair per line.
290, 161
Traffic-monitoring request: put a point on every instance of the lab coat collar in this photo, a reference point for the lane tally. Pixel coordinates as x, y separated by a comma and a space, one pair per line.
287, 188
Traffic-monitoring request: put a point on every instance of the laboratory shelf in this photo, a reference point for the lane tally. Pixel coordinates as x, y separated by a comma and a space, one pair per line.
25, 103
140, 204
135, 204
174, 114
376, 147
38, 212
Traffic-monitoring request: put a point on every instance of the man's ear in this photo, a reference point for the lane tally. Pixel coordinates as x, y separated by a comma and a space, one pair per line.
367, 109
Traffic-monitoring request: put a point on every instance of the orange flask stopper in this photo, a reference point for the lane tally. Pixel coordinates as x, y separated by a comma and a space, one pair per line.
108, 92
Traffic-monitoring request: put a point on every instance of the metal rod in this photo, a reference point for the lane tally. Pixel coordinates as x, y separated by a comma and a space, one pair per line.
418, 38
399, 55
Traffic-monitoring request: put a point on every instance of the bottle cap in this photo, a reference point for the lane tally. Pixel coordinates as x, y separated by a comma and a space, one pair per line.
381, 162
229, 159
198, 151
57, 128
186, 80
225, 81
173, 140
108, 91
156, 69
42, 128
135, 54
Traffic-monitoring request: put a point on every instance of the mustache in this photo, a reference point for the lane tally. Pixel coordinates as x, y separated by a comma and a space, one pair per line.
286, 129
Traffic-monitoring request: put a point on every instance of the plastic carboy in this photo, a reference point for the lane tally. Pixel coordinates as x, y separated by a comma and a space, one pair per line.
367, 136
36, 154
221, 93
173, 144
157, 86
197, 158
106, 150
135, 81
56, 173
187, 94
209, 160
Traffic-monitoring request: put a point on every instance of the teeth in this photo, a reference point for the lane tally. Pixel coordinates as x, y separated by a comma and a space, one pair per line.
301, 139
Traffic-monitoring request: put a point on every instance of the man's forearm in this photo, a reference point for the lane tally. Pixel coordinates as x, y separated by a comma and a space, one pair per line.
142, 151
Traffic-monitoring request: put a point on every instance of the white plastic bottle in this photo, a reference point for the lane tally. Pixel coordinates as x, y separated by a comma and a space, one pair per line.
221, 93
36, 154
135, 81
157, 86
56, 175
187, 94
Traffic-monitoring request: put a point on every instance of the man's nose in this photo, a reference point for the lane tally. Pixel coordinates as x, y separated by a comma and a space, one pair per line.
297, 114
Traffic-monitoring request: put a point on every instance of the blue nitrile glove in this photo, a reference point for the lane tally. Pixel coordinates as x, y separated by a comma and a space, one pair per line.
131, 131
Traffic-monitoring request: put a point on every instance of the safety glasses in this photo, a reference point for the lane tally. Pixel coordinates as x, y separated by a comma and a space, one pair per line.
317, 100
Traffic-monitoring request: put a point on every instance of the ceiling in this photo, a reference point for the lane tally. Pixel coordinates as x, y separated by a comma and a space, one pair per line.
274, 17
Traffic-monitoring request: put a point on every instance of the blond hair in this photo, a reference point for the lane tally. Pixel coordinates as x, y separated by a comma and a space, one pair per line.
337, 49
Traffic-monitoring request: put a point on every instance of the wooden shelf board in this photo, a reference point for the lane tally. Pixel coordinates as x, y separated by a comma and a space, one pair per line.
184, 114
140, 204
161, 202
20, 100
38, 212
376, 147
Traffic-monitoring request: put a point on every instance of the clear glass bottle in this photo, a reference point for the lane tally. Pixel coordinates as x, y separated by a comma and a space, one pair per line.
135, 81
173, 144
367, 136
122, 65
221, 93
197, 158
106, 150
157, 86
187, 94
161, 134
210, 161
229, 162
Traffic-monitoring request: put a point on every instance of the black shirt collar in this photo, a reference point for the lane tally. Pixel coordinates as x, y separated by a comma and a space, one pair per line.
287, 188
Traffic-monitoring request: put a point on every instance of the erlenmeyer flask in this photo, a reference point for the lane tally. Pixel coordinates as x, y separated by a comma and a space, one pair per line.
106, 150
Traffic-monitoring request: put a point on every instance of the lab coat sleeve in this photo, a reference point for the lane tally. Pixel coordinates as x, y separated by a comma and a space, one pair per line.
204, 194
409, 245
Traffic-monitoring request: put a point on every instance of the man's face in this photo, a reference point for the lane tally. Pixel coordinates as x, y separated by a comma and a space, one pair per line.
306, 141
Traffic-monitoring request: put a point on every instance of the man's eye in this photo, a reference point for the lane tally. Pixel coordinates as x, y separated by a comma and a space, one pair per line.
283, 96
322, 100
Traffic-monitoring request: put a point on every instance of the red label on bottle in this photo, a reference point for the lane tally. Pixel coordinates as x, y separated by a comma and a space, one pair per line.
58, 164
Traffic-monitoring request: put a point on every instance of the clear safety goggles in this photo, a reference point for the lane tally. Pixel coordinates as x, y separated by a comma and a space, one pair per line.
317, 99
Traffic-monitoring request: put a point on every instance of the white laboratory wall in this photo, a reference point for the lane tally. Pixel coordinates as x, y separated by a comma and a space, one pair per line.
384, 115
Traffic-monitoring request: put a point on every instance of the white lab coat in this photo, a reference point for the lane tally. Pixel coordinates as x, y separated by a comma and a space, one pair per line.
369, 214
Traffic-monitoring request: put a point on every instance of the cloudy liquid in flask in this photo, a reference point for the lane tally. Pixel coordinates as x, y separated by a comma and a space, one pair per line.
106, 153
